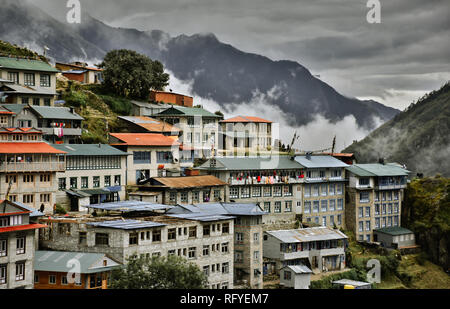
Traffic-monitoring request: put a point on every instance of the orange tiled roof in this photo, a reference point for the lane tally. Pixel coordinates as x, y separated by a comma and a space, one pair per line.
155, 125
20, 130
32, 147
144, 139
246, 119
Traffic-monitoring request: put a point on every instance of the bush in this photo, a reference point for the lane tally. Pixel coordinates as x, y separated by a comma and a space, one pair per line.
76, 99
327, 282
59, 209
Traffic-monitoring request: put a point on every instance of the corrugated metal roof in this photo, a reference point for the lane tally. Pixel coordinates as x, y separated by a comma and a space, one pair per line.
377, 169
89, 150
50, 112
34, 212
150, 124
176, 110
28, 90
246, 119
63, 261
202, 217
319, 161
130, 206
31, 147
232, 209
307, 234
15, 108
351, 282
299, 269
190, 181
26, 64
126, 224
144, 139
394, 230
252, 163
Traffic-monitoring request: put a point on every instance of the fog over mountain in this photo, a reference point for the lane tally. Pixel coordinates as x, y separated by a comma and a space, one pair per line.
238, 82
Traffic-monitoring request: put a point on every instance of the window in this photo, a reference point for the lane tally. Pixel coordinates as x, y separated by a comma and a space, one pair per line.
245, 192
225, 247
20, 271
277, 191
256, 255
73, 182
96, 181
217, 195
288, 206
156, 236
84, 182
256, 191
315, 206
368, 211
173, 196
332, 205
324, 189
256, 237
28, 79
287, 190
225, 228
36, 101
205, 250
225, 268
45, 80
331, 189
164, 157
364, 181
102, 239
277, 208
82, 238
192, 232
287, 275
360, 212
360, 226
184, 197
52, 279
307, 207
195, 196
64, 280
3, 274
172, 234
367, 225
3, 247
239, 237
20, 249
340, 204
396, 209
238, 256
377, 223
61, 183
315, 191
107, 181
28, 178
324, 205
141, 157
25, 100
117, 180
206, 270
267, 206
192, 252
324, 221
28, 198
234, 192
13, 77
307, 190
267, 191
339, 219
133, 239
47, 102
339, 189
364, 197
377, 209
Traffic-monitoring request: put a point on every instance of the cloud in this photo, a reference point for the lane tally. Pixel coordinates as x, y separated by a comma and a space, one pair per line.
316, 135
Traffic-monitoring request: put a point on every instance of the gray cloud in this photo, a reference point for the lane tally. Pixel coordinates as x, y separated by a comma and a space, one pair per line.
394, 62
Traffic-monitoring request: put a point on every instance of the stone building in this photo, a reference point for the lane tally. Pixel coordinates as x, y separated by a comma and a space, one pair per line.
206, 240
375, 194
17, 245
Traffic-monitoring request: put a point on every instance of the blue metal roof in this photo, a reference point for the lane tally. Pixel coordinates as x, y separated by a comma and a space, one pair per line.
126, 224
202, 217
223, 209
319, 161
130, 206
34, 212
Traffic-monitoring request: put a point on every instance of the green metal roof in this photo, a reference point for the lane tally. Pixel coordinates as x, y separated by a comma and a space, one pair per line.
394, 230
50, 112
89, 150
252, 163
58, 261
15, 108
377, 169
187, 111
25, 64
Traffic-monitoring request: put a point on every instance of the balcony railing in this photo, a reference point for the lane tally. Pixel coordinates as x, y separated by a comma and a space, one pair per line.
32, 167
68, 131
251, 181
390, 186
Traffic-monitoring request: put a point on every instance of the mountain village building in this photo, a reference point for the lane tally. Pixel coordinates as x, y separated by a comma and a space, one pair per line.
80, 72
375, 194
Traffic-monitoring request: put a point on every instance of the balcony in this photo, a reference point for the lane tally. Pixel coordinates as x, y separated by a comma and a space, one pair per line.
32, 167
251, 181
390, 186
66, 131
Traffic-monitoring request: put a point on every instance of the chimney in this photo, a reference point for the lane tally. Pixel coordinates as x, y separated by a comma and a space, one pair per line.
308, 155
381, 161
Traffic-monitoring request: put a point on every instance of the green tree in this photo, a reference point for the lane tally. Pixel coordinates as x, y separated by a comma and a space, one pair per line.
130, 74
170, 272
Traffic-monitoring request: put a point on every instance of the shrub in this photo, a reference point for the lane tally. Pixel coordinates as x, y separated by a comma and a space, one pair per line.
59, 209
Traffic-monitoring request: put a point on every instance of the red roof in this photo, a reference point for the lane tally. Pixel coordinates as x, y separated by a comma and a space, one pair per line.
6, 112
246, 119
21, 130
32, 147
145, 139
21, 227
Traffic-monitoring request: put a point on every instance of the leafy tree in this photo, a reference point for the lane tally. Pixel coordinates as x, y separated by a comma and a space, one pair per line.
170, 272
130, 74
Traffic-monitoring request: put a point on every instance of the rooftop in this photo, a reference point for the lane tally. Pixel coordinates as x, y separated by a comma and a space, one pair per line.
251, 163
150, 124
129, 206
299, 269
50, 112
307, 234
319, 161
89, 150
394, 230
31, 147
246, 119
238, 209
176, 110
189, 181
144, 139
26, 64
377, 169
60, 261
126, 224
351, 282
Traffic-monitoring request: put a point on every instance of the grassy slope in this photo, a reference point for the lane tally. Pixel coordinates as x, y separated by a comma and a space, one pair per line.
14, 50
418, 137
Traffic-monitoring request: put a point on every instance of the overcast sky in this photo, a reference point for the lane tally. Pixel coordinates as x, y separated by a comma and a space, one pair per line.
394, 62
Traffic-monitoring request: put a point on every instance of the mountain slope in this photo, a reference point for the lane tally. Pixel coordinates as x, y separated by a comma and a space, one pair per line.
418, 137
218, 71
